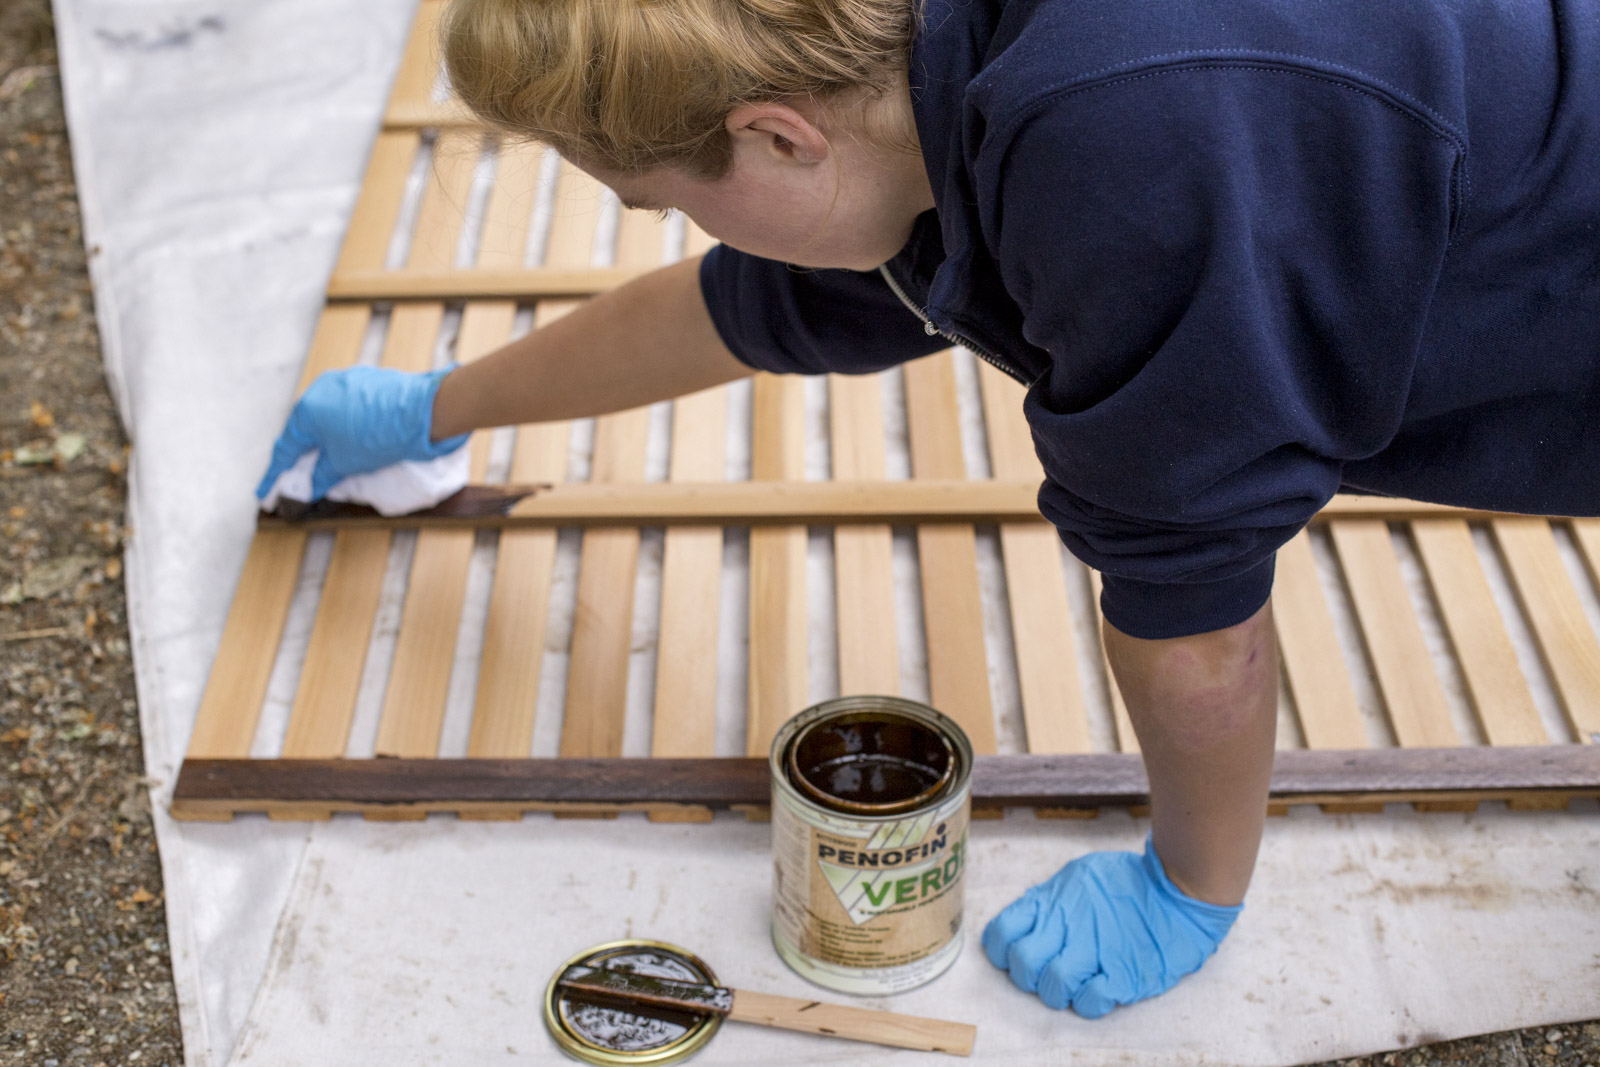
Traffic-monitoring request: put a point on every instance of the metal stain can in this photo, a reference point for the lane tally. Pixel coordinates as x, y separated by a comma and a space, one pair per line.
871, 797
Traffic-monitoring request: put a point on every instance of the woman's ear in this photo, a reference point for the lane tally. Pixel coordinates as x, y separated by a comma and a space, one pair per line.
779, 132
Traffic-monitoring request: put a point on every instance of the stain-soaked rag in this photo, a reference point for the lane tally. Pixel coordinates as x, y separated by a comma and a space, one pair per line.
398, 489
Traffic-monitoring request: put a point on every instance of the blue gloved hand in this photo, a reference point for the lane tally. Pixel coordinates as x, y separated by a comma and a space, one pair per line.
361, 419
1109, 928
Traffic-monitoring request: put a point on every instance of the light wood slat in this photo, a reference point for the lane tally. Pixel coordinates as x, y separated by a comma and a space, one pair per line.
1036, 585
869, 647
778, 680
1500, 694
230, 707
685, 720
1587, 533
226, 723
424, 657
503, 243
419, 63
575, 213
519, 601
336, 652
1411, 690
1127, 740
319, 722
1315, 665
1560, 628
952, 606
477, 283
366, 241
691, 577
597, 672
696, 242
412, 115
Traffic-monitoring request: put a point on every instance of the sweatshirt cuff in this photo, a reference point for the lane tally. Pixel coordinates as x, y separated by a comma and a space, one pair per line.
1156, 611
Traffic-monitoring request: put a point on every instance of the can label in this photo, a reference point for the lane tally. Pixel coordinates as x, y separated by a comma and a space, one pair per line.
869, 905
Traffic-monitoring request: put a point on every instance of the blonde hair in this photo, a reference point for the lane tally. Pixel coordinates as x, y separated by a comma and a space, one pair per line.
630, 85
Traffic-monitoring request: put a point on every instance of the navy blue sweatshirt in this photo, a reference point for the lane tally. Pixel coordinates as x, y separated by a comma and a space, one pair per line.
1244, 253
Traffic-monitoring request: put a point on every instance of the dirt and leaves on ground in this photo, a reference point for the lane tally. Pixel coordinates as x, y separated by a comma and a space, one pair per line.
85, 977
84, 971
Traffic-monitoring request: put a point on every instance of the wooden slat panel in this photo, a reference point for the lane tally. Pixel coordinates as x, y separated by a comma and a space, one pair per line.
1127, 740
869, 648
1318, 676
691, 579
1036, 585
1560, 628
1411, 690
597, 673
778, 683
952, 607
519, 601
1499, 692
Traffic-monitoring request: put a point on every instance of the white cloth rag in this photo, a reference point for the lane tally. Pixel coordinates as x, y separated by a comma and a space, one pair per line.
398, 489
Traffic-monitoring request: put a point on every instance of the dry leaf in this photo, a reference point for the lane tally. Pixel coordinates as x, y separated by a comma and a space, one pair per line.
69, 446
40, 415
52, 577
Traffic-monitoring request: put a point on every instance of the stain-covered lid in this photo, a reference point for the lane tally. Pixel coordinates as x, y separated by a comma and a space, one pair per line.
596, 1032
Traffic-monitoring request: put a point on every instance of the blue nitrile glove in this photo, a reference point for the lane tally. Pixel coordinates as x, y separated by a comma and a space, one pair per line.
1109, 928
361, 419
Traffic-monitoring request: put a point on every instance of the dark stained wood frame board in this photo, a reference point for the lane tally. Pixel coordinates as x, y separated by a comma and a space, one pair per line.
1432, 600
1091, 780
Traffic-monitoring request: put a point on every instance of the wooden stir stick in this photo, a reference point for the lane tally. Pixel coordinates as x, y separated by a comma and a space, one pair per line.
627, 988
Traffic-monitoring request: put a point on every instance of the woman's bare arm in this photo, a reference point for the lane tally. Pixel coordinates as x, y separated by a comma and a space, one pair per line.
649, 340
1205, 709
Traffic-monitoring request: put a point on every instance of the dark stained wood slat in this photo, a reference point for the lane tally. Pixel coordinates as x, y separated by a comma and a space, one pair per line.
209, 788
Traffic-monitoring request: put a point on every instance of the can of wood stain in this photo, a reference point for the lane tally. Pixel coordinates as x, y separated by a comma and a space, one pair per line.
871, 797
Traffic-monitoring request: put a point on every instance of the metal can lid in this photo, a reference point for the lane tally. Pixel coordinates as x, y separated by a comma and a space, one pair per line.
601, 1034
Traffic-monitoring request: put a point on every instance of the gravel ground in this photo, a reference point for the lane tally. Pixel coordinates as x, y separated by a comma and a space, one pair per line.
84, 972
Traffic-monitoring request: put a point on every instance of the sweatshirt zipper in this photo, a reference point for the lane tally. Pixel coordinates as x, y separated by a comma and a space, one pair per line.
932, 329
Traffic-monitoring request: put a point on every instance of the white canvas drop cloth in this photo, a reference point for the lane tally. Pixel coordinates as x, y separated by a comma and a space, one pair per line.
218, 148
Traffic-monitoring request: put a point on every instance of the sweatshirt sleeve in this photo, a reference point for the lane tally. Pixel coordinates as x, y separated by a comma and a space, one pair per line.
1230, 268
794, 320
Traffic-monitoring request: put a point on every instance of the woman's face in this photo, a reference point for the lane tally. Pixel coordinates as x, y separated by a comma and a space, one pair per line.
794, 193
